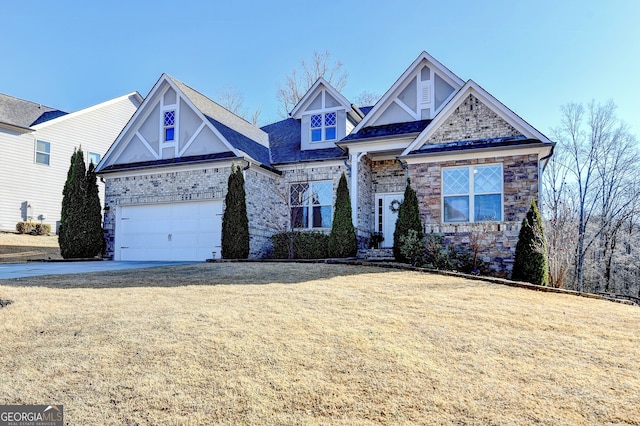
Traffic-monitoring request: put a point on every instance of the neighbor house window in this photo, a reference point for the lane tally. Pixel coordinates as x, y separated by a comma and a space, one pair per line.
472, 193
311, 205
170, 126
323, 127
43, 152
94, 158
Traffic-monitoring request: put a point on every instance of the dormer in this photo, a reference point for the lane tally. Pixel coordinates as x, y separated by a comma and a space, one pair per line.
325, 116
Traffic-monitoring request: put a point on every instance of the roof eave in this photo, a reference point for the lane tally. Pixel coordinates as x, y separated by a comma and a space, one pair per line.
442, 153
16, 128
345, 143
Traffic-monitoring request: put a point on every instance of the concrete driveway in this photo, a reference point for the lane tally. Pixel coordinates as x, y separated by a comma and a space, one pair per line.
31, 269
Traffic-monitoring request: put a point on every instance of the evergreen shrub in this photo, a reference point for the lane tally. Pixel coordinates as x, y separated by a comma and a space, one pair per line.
342, 239
306, 245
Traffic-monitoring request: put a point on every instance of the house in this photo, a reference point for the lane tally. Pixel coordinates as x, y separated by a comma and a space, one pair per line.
36, 144
474, 164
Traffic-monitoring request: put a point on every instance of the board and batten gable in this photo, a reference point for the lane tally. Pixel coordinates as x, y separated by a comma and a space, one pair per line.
167, 108
33, 190
419, 94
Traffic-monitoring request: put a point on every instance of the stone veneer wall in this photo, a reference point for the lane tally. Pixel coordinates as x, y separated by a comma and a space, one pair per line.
279, 216
263, 207
470, 121
194, 185
267, 196
366, 202
498, 240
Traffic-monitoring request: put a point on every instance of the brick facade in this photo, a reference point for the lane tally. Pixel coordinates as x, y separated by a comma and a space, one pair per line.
498, 240
470, 121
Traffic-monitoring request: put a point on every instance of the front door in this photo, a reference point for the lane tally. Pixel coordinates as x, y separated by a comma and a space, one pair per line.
386, 215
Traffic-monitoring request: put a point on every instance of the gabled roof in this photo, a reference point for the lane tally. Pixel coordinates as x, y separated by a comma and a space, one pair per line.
53, 117
222, 115
284, 137
472, 88
23, 114
390, 94
241, 137
311, 94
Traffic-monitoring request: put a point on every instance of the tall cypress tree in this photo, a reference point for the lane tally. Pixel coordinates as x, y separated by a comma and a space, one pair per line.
342, 240
408, 218
93, 215
72, 229
531, 263
235, 224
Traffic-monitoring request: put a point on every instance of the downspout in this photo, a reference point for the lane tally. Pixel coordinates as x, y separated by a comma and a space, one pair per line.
405, 168
244, 169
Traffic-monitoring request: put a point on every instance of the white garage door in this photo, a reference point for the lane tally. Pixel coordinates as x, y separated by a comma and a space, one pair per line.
169, 232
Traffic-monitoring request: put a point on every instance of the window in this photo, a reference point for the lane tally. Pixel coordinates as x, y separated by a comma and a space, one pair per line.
472, 194
94, 158
310, 204
169, 125
43, 152
323, 127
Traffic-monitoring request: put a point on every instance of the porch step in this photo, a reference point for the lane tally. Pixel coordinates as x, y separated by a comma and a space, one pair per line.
377, 255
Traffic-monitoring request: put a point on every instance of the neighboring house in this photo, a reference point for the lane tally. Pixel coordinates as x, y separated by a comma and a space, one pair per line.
474, 164
36, 144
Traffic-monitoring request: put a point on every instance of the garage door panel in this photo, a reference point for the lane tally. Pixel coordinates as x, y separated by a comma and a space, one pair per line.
180, 231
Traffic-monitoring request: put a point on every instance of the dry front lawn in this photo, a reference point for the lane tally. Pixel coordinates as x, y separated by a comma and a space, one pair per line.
17, 248
279, 343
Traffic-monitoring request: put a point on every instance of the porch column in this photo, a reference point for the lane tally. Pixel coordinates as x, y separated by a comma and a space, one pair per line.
355, 159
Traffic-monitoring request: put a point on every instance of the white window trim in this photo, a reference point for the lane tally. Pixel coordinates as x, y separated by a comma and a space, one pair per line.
323, 127
36, 152
310, 206
176, 125
471, 193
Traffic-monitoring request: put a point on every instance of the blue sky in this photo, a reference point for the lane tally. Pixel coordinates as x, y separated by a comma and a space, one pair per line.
533, 56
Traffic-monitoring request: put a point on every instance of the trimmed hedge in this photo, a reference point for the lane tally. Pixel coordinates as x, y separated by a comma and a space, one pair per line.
33, 228
306, 245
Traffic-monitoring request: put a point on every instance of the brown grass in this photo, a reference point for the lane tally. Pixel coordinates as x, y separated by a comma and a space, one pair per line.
17, 248
314, 344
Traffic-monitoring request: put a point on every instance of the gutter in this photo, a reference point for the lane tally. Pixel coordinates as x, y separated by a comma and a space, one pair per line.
16, 128
483, 149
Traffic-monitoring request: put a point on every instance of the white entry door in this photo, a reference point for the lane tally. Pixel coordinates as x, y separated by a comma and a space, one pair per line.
169, 232
386, 215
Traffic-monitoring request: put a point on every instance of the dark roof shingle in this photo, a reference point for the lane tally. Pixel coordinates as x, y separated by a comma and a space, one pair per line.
21, 113
284, 137
474, 144
393, 129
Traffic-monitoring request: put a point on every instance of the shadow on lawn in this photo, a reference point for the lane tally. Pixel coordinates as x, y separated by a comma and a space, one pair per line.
231, 273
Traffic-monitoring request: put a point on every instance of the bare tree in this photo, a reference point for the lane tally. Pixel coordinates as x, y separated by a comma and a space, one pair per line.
582, 150
300, 80
599, 155
366, 98
619, 185
559, 217
233, 100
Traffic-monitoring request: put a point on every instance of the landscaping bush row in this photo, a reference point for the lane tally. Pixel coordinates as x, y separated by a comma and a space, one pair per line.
432, 251
300, 245
34, 228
